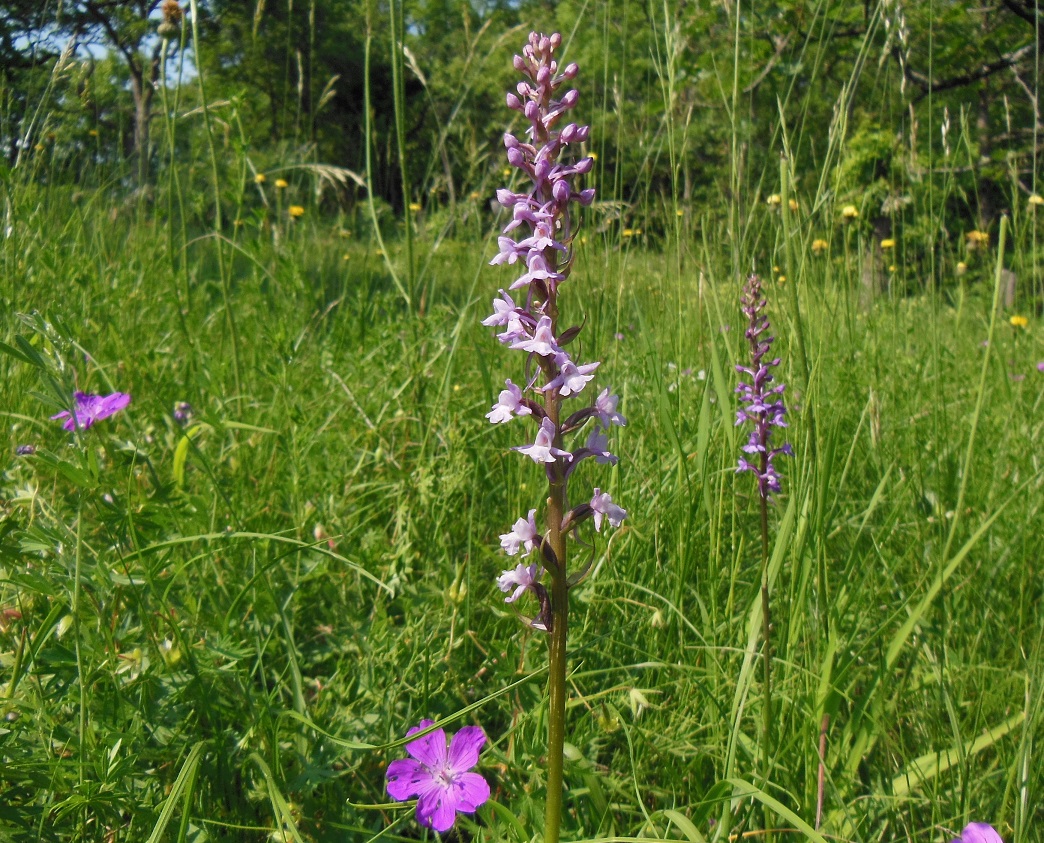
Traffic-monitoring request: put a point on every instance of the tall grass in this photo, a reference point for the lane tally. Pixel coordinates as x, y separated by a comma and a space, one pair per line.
221, 630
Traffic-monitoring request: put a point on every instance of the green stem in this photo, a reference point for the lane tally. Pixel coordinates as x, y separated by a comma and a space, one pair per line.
556, 681
81, 677
556, 700
766, 657
226, 290
398, 100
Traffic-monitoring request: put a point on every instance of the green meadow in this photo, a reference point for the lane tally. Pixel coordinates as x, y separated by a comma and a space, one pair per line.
218, 625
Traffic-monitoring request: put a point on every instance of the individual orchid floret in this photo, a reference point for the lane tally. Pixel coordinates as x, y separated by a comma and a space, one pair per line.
598, 445
570, 378
524, 533
602, 507
543, 449
440, 777
503, 309
763, 404
514, 332
542, 341
605, 407
92, 408
509, 404
539, 270
520, 580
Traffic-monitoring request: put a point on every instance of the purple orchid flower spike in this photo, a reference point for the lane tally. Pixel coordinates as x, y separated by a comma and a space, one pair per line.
537, 241
978, 833
92, 408
440, 777
764, 403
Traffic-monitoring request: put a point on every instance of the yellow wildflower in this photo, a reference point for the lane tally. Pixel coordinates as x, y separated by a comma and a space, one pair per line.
782, 279
892, 268
773, 201
346, 256
977, 239
415, 206
1019, 321
793, 204
631, 232
259, 178
506, 172
1036, 199
850, 212
819, 246
888, 243
679, 213
93, 133
474, 195
962, 267
593, 156
282, 184
295, 211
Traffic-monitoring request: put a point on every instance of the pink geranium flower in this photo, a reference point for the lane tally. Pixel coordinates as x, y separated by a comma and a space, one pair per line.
92, 408
440, 778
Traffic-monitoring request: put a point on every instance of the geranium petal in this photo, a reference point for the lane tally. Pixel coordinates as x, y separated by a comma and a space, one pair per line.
465, 746
980, 833
429, 750
112, 404
437, 809
406, 778
470, 790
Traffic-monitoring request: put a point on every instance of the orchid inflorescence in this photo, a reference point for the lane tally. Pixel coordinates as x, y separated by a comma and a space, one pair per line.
541, 214
764, 404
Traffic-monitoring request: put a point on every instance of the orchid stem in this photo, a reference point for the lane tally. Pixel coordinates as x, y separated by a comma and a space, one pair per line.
766, 627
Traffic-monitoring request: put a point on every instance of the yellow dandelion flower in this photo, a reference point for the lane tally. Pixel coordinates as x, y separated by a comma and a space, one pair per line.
415, 206
93, 133
773, 201
627, 232
1019, 321
474, 195
888, 243
1036, 199
346, 256
977, 239
819, 246
961, 267
850, 212
892, 268
295, 211
259, 178
775, 269
679, 213
793, 204
782, 279
506, 172
281, 184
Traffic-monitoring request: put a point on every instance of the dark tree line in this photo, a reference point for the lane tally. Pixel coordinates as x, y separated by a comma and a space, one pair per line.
669, 119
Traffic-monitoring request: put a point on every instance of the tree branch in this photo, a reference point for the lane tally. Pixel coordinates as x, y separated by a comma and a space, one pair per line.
934, 86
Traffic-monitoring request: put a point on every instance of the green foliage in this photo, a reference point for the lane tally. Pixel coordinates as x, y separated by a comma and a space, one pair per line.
220, 629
